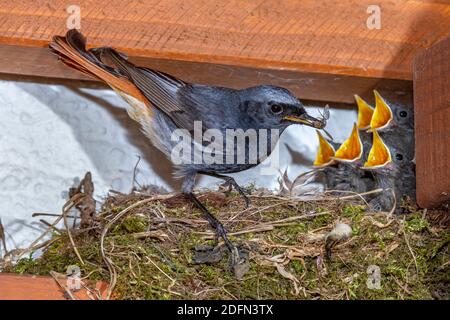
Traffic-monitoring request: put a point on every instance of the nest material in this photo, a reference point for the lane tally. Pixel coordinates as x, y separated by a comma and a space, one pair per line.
146, 245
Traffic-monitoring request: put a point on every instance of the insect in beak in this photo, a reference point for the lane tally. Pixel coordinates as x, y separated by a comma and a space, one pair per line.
308, 120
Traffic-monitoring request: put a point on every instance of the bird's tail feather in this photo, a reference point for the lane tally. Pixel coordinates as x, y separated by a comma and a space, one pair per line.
71, 49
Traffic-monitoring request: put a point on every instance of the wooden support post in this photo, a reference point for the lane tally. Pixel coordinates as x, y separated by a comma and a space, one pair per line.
432, 123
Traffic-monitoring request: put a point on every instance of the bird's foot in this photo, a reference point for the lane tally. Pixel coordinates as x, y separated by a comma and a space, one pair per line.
229, 183
239, 259
209, 254
239, 263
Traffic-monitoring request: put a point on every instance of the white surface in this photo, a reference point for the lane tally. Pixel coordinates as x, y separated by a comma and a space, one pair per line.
50, 135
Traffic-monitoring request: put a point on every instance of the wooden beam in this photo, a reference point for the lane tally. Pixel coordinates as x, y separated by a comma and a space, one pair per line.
321, 50
32, 61
432, 123
30, 287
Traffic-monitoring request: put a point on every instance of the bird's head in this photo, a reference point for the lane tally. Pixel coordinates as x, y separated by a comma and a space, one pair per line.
273, 107
385, 115
392, 153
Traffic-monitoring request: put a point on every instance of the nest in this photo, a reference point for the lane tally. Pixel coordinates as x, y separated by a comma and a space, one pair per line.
147, 245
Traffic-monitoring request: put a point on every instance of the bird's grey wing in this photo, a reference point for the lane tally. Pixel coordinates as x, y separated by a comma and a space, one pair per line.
162, 90
183, 102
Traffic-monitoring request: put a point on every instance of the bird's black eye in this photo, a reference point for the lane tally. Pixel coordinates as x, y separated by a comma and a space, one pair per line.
399, 156
403, 114
276, 109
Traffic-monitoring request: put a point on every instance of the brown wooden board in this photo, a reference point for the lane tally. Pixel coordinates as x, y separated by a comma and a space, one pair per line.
322, 50
312, 86
29, 287
432, 123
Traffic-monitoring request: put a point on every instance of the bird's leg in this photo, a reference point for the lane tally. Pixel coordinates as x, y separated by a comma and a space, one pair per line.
239, 261
229, 181
213, 221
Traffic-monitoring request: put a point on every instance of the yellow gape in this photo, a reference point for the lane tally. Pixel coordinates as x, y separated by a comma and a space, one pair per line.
379, 154
325, 153
352, 149
382, 116
365, 112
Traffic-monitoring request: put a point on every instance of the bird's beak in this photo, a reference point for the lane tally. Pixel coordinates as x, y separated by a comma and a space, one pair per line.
365, 113
382, 116
379, 155
325, 153
352, 148
306, 119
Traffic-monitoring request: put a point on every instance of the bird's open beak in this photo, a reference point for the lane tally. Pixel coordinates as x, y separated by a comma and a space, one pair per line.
325, 153
365, 113
306, 119
379, 155
352, 148
382, 116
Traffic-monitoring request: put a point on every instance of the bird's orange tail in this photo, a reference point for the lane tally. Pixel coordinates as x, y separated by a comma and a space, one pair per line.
71, 49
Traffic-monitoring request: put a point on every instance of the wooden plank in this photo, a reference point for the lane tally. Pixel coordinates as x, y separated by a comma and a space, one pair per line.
313, 86
300, 43
29, 287
432, 123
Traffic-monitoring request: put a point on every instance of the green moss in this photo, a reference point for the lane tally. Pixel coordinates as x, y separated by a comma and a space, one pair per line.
415, 223
151, 268
132, 224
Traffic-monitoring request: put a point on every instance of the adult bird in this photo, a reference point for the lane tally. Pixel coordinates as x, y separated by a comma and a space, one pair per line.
162, 104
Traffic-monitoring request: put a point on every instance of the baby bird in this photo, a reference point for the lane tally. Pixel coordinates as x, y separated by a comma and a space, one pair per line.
384, 137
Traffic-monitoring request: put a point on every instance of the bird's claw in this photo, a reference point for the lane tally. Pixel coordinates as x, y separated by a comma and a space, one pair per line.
229, 183
239, 263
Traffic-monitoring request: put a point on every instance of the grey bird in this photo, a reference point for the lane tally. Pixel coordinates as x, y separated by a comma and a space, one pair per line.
398, 175
162, 104
391, 158
381, 158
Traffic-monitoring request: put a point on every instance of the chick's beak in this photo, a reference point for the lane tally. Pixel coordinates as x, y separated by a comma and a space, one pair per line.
365, 113
382, 115
325, 153
379, 155
306, 119
352, 148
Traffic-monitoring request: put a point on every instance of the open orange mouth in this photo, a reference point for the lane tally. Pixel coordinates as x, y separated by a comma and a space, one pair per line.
352, 148
365, 113
325, 153
379, 155
382, 115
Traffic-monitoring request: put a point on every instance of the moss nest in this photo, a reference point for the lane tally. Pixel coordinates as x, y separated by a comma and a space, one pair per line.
144, 245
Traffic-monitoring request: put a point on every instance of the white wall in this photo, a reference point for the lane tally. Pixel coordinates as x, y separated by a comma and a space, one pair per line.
50, 135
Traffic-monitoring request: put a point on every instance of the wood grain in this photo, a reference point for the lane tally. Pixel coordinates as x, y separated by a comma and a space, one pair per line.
28, 287
432, 124
237, 42
30, 61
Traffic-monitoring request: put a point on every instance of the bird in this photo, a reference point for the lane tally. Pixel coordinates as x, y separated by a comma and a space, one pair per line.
379, 154
391, 160
392, 155
340, 169
163, 104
